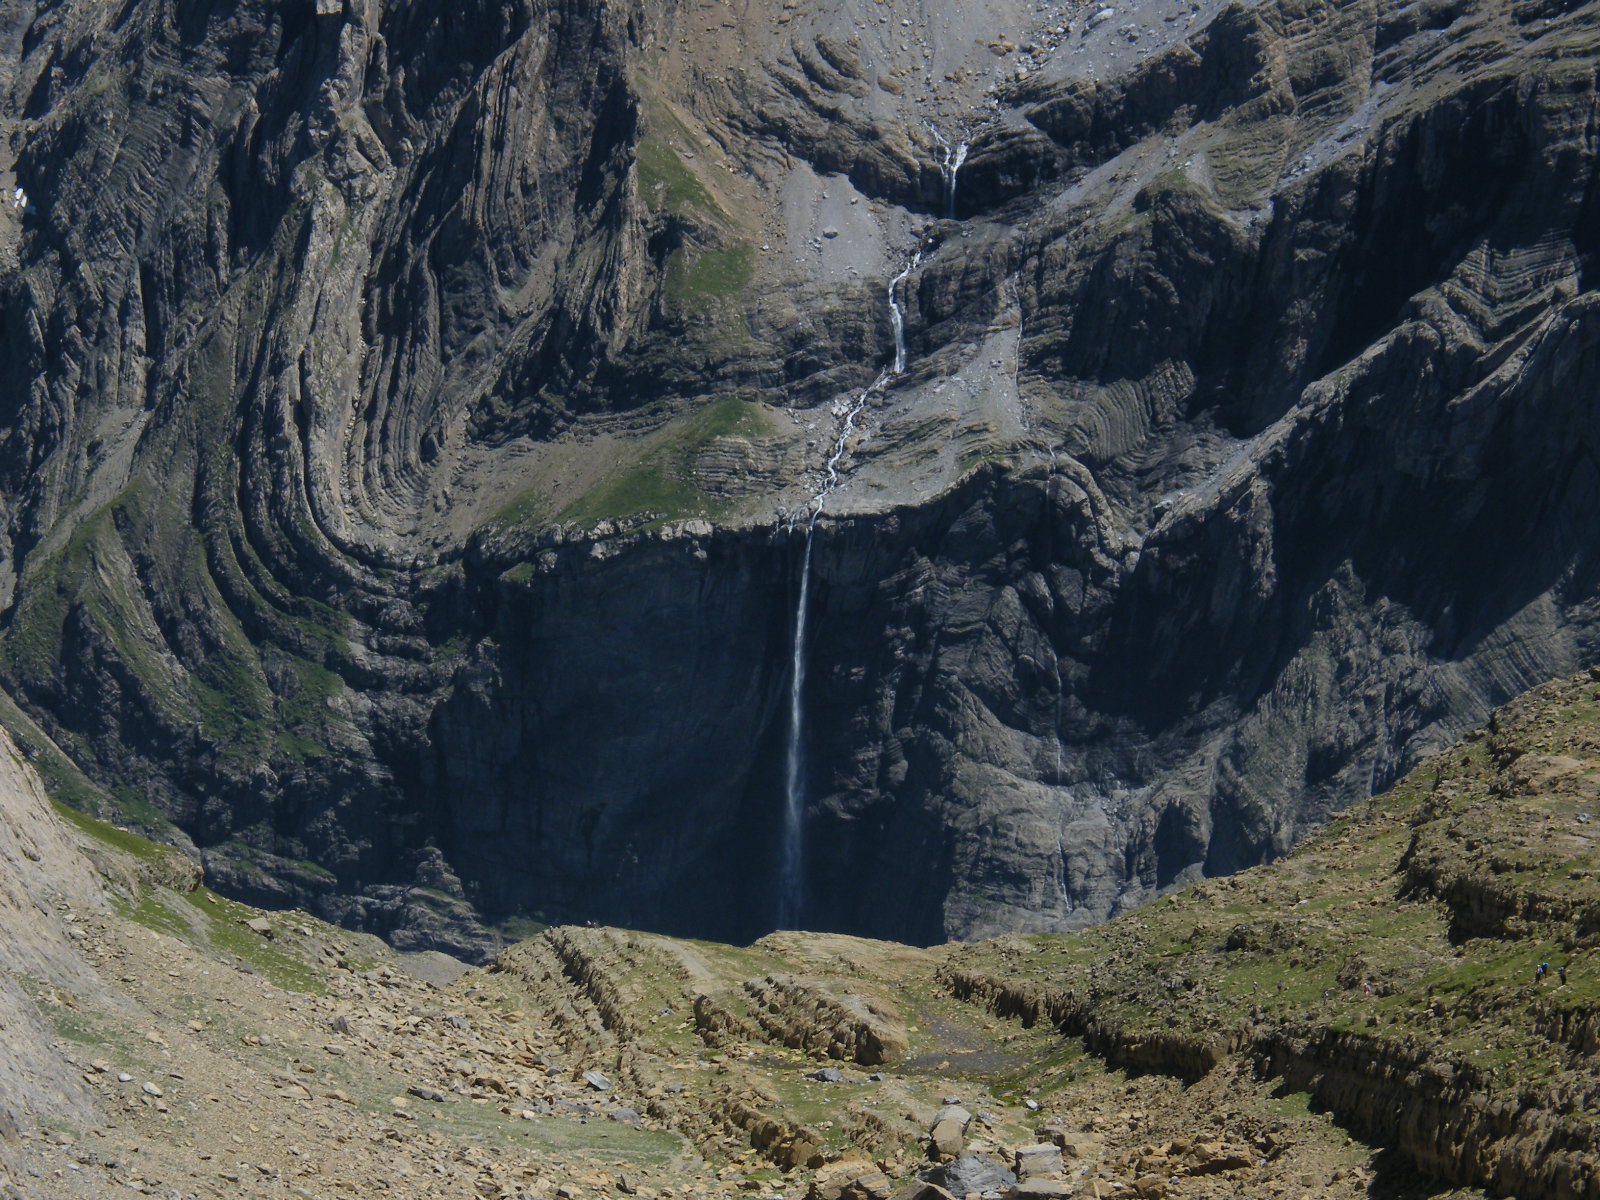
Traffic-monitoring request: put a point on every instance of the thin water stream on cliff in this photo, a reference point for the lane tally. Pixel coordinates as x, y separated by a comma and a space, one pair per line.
950, 162
791, 879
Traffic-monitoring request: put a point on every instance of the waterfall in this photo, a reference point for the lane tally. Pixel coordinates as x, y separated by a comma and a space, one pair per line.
791, 875
791, 880
897, 318
1061, 875
1055, 723
951, 159
1055, 731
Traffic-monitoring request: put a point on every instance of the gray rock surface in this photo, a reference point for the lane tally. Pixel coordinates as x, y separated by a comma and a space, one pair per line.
1037, 1161
971, 1173
46, 887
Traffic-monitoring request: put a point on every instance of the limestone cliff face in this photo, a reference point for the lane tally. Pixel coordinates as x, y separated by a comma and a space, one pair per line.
409, 416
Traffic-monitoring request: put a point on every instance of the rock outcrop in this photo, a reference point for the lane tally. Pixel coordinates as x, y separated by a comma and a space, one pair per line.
805, 1014
408, 420
1429, 977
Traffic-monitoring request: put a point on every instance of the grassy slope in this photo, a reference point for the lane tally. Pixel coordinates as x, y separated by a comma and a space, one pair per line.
1403, 940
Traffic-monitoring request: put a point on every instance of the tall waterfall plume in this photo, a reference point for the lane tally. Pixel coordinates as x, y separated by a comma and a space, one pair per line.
791, 878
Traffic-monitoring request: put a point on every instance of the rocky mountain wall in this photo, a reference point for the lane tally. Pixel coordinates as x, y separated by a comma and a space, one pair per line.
415, 424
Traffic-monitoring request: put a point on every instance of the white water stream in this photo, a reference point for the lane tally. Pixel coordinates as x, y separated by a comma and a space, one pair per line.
897, 318
950, 162
791, 877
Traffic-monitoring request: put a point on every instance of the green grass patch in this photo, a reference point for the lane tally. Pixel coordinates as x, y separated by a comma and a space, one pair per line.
731, 416
665, 181
595, 1138
660, 483
66, 784
650, 487
520, 929
304, 713
77, 1020
210, 922
152, 911
141, 848
223, 923
696, 277
51, 584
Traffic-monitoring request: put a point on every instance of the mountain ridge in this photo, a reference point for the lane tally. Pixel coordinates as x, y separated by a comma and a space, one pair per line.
362, 359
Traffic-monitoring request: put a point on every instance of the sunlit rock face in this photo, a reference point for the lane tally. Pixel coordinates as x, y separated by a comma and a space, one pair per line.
415, 421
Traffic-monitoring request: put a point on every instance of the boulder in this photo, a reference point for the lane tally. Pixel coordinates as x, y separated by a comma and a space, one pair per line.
946, 1139
1040, 1189
1033, 1162
853, 1179
1070, 1143
971, 1173
1213, 1158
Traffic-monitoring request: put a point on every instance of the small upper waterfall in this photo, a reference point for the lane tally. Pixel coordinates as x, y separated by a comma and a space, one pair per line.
950, 161
897, 318
791, 878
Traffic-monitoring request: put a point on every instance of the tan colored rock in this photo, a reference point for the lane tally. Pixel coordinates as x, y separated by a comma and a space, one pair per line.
1213, 1158
1033, 1162
1071, 1143
1040, 1189
852, 1179
820, 1017
946, 1139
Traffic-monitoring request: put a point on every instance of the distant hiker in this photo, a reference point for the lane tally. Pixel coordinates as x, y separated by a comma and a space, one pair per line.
1544, 969
1561, 973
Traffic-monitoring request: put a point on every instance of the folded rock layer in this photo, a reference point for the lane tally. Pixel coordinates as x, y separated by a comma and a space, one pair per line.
414, 427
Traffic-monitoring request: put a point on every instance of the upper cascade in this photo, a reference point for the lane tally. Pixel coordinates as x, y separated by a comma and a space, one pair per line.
951, 160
